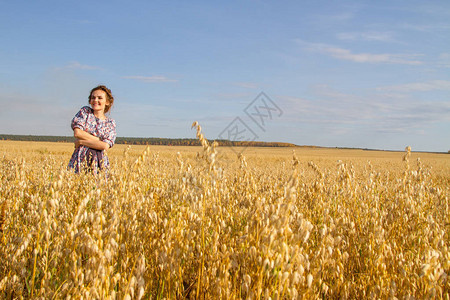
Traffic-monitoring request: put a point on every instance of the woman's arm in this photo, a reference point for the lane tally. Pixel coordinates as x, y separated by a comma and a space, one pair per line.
84, 138
84, 135
97, 145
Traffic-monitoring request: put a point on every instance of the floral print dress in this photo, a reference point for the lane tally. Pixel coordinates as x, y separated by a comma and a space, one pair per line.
104, 129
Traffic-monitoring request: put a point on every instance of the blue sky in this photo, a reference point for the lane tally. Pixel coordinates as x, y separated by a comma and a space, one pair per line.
369, 74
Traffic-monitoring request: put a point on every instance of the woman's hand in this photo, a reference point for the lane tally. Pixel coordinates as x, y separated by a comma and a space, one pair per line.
77, 143
94, 144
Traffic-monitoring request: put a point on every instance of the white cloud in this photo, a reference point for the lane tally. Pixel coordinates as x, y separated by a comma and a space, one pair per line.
345, 54
334, 18
430, 28
331, 109
418, 86
341, 17
444, 60
27, 114
247, 85
366, 36
151, 79
74, 65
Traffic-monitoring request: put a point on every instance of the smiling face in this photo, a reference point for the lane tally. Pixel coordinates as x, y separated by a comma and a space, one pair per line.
98, 101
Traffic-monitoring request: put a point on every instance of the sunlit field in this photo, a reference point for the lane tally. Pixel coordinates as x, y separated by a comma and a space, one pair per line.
207, 223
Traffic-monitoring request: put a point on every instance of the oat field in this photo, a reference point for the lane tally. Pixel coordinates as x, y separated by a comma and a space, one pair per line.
205, 223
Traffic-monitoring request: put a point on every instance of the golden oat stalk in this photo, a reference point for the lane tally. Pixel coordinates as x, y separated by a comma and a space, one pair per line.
2, 215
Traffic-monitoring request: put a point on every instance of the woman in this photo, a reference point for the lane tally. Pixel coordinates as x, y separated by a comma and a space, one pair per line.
94, 132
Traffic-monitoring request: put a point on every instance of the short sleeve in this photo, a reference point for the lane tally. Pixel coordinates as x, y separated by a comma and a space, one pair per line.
110, 136
80, 119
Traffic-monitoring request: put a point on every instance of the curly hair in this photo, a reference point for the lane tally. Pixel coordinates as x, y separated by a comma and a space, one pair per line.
109, 96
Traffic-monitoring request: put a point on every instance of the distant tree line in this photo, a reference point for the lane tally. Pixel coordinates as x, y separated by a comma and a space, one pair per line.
144, 141
36, 138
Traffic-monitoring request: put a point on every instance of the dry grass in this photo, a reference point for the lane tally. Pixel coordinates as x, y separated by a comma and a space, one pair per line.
204, 223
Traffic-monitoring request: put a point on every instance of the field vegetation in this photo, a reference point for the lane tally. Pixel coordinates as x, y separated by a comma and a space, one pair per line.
224, 223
